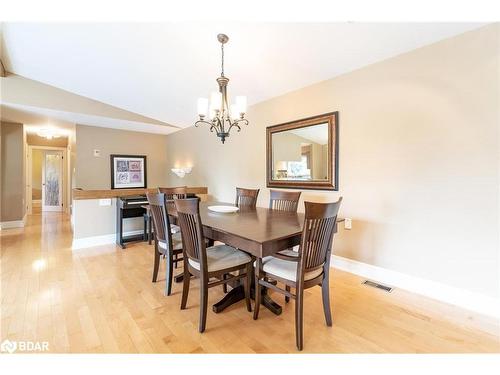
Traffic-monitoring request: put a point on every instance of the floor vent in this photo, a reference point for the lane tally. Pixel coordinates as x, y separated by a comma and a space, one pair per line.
385, 288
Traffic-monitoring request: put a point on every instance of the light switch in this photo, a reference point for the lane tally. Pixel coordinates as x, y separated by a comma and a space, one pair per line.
348, 223
97, 153
105, 202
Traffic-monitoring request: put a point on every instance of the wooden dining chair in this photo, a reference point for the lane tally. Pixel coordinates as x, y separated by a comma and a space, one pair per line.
166, 243
246, 197
171, 193
285, 201
208, 263
310, 268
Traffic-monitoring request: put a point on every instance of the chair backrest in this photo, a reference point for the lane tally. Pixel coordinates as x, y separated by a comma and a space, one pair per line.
189, 220
284, 200
161, 220
246, 197
174, 192
317, 236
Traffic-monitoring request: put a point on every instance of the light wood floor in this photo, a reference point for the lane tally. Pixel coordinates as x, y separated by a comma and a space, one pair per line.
102, 300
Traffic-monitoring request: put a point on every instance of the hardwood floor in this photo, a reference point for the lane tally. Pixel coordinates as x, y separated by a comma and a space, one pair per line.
102, 300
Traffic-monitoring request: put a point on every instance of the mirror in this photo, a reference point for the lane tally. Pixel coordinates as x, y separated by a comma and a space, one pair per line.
304, 153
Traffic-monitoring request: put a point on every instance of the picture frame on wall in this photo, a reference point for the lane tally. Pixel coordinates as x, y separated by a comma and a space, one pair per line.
128, 171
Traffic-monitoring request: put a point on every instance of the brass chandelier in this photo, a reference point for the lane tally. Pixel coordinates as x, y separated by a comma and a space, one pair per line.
221, 117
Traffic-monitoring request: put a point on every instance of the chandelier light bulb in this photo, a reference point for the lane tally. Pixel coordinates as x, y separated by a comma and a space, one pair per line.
202, 106
241, 102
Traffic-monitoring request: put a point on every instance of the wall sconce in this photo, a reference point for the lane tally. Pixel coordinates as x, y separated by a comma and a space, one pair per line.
181, 172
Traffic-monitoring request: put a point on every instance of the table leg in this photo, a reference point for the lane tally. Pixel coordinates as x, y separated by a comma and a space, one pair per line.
234, 295
237, 294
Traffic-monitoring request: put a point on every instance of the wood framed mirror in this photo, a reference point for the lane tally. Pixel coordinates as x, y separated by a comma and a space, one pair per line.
303, 154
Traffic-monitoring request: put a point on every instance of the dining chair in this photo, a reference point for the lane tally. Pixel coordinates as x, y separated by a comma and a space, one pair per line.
285, 201
246, 197
208, 263
171, 193
310, 268
167, 243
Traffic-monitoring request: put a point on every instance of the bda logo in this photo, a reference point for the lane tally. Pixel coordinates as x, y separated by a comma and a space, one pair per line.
8, 346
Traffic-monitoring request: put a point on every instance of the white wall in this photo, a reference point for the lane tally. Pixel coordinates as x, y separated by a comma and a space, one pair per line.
419, 159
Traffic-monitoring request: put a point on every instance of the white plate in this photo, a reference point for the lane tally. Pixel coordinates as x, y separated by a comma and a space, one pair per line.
223, 209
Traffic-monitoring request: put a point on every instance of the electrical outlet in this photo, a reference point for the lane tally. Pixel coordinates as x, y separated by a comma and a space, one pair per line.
348, 223
105, 202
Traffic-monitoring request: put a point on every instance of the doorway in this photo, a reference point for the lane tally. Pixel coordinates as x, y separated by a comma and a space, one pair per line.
46, 179
52, 186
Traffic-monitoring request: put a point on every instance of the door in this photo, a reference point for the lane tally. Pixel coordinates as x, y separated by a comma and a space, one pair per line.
52, 171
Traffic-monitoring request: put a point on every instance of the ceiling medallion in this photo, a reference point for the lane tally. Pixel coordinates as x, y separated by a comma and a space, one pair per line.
221, 117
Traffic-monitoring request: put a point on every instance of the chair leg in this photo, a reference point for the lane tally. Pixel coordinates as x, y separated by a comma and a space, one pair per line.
150, 230
156, 264
168, 273
257, 289
224, 286
325, 292
203, 304
247, 285
185, 285
287, 288
299, 316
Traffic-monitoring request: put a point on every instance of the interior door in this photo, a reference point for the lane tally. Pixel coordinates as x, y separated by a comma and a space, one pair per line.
52, 171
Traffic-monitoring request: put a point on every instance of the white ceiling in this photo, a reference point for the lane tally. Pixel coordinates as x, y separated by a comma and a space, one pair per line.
158, 70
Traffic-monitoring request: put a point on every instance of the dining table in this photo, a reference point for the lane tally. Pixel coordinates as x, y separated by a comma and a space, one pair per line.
258, 231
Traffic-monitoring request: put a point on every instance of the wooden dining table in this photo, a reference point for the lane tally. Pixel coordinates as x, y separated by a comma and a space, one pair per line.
258, 231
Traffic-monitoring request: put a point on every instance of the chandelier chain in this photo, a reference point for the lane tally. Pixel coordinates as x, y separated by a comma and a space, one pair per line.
222, 65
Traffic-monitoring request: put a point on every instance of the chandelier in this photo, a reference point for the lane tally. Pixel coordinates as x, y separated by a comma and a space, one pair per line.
221, 117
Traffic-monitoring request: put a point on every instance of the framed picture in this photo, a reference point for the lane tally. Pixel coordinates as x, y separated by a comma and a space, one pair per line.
128, 171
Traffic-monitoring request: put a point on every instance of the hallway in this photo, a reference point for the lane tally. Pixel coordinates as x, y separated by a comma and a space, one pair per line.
102, 300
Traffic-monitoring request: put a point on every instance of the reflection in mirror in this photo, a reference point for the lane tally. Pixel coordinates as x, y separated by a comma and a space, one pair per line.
300, 154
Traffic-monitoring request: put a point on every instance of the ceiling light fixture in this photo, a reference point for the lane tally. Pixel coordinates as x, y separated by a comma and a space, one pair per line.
48, 133
222, 118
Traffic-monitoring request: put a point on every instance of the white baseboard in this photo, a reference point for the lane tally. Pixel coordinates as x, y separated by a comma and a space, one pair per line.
468, 300
106, 239
13, 224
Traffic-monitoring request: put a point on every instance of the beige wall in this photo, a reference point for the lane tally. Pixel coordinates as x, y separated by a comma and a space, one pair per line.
12, 170
90, 219
94, 172
419, 159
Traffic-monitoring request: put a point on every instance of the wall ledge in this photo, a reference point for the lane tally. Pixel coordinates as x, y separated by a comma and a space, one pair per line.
465, 299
